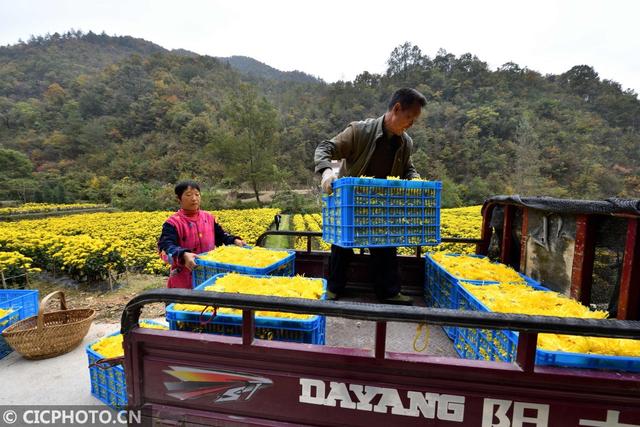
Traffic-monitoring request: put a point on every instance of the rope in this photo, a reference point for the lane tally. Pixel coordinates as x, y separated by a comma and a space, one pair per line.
419, 332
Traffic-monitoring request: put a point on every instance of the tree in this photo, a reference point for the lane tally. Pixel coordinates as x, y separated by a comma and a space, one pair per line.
527, 178
403, 59
251, 150
55, 94
199, 130
583, 81
16, 180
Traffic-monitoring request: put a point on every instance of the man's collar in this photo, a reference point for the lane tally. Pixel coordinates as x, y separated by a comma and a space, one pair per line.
380, 129
386, 131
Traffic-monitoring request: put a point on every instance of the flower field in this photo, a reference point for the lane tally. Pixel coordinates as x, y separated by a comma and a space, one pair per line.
309, 222
89, 246
46, 207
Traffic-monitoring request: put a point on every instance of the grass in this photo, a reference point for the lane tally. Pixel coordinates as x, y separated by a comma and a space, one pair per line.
281, 242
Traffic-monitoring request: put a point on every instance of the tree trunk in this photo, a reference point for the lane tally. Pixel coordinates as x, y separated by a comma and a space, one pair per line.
254, 183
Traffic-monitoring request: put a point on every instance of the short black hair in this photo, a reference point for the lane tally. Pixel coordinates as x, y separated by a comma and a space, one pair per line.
182, 186
407, 97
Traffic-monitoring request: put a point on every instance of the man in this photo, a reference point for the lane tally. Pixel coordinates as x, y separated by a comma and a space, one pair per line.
377, 148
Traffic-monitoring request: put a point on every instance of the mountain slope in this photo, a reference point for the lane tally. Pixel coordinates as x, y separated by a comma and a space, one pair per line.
257, 69
27, 69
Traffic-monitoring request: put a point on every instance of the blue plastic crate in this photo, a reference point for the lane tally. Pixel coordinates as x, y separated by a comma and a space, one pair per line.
207, 269
440, 289
25, 301
482, 344
109, 385
6, 321
368, 212
311, 331
588, 361
502, 344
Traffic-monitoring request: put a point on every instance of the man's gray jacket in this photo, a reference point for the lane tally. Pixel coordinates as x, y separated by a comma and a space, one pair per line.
356, 145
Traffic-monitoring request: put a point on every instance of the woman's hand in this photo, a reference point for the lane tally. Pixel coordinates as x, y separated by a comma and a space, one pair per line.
190, 260
239, 242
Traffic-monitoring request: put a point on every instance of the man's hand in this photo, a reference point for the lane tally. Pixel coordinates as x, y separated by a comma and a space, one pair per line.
239, 242
327, 180
190, 260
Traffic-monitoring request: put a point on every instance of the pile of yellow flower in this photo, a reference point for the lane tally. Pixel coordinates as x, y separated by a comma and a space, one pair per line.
111, 346
2, 314
522, 299
396, 178
512, 295
255, 257
472, 268
290, 287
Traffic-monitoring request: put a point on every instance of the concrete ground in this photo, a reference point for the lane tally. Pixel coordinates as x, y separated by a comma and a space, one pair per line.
64, 380
341, 332
400, 337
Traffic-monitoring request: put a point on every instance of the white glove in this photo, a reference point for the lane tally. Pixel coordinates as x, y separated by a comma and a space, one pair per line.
327, 180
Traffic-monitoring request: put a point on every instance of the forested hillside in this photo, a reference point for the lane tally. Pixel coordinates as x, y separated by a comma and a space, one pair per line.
95, 117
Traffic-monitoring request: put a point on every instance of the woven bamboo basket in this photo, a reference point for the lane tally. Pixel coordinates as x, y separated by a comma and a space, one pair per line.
49, 334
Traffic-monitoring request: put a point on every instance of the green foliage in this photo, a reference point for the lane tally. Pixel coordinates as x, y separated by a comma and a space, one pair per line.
292, 203
87, 116
128, 194
250, 152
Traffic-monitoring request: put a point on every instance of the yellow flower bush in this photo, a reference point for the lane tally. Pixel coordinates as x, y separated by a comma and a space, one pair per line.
299, 225
313, 222
460, 222
46, 207
290, 287
309, 222
12, 262
88, 246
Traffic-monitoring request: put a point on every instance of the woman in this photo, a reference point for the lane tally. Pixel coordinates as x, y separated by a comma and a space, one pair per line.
189, 232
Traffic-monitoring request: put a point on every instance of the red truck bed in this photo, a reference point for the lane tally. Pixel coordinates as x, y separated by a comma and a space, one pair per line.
185, 378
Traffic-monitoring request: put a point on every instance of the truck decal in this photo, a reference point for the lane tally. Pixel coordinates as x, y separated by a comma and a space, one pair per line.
225, 385
444, 407
439, 406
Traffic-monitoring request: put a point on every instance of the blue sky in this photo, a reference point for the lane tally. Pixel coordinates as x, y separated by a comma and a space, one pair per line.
339, 39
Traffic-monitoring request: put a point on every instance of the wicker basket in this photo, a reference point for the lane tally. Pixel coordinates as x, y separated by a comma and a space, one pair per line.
49, 334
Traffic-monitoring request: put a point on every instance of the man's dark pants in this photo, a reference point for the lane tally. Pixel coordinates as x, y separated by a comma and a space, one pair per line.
383, 269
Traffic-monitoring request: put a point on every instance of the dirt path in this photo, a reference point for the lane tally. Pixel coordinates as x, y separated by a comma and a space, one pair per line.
107, 303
